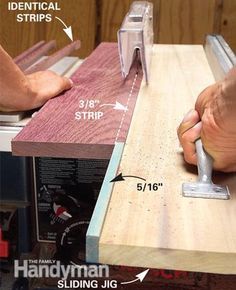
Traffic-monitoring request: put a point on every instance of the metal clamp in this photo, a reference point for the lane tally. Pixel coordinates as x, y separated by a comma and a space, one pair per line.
204, 187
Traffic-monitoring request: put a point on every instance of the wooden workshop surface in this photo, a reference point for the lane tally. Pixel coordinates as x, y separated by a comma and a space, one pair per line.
94, 21
228, 22
113, 13
81, 16
162, 229
15, 36
186, 21
55, 132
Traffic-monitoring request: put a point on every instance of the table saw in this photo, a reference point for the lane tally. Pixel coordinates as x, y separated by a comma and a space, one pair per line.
141, 219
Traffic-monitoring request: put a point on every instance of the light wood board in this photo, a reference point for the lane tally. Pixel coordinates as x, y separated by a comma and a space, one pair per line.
162, 229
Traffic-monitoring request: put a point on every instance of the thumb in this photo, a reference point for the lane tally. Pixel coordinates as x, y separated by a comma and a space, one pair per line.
189, 120
60, 84
66, 83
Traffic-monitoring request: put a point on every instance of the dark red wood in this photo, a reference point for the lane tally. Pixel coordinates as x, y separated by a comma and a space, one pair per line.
27, 52
55, 132
54, 58
36, 55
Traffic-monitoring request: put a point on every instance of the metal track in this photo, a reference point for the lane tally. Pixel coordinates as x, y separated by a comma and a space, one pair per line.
220, 56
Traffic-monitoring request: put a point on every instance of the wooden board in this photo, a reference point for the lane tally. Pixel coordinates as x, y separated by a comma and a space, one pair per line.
175, 21
186, 21
81, 16
228, 22
96, 224
16, 37
179, 21
55, 131
28, 51
35, 55
54, 58
162, 229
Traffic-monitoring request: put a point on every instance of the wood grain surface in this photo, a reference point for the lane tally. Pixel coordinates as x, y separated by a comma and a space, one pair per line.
96, 223
54, 58
28, 51
162, 229
228, 22
55, 131
16, 37
113, 13
93, 21
175, 22
81, 15
35, 55
186, 21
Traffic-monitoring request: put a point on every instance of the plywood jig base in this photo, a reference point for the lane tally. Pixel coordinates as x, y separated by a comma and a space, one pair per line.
162, 229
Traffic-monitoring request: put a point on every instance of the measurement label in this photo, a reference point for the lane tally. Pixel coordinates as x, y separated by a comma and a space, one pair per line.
149, 186
33, 11
85, 113
88, 104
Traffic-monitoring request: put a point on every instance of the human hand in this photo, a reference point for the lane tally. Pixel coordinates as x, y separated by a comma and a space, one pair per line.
32, 91
45, 85
214, 121
19, 92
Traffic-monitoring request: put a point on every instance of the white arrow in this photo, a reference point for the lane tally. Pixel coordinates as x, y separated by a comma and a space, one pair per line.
68, 30
140, 277
116, 106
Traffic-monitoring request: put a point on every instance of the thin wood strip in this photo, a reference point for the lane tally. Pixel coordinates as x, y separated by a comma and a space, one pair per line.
27, 52
36, 55
54, 58
56, 132
99, 213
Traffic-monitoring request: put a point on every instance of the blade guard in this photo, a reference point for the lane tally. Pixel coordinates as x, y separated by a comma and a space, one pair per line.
136, 33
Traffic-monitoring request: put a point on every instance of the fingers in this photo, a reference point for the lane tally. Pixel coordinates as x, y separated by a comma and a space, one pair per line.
189, 120
44, 86
205, 98
188, 132
188, 143
67, 83
58, 85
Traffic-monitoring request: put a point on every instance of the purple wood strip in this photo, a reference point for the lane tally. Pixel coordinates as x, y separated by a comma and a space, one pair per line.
27, 52
54, 58
36, 55
83, 122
